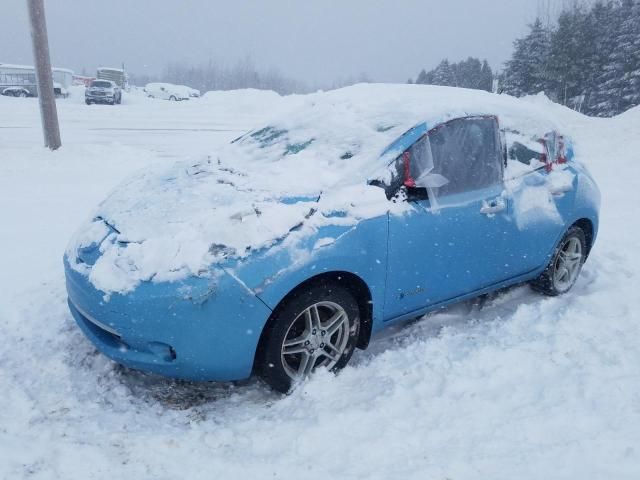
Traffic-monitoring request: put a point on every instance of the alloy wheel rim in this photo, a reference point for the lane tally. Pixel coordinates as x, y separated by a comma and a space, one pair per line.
316, 338
568, 264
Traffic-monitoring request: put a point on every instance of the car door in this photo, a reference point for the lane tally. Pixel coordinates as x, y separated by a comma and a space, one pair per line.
454, 238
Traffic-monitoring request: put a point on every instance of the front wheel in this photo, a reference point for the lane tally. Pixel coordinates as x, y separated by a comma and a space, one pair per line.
173, 99
316, 328
565, 266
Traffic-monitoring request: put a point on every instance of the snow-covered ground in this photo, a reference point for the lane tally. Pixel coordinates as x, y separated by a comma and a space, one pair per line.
514, 386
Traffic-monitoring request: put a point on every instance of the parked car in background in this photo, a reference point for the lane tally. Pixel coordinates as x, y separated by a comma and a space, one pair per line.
169, 91
293, 244
16, 92
103, 91
193, 92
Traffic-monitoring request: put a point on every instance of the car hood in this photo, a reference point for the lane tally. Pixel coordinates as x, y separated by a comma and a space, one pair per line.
168, 225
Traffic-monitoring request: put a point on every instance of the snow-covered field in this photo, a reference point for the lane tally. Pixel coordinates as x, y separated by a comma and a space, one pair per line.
514, 386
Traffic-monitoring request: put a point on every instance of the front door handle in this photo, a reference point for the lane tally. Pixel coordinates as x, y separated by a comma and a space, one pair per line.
493, 207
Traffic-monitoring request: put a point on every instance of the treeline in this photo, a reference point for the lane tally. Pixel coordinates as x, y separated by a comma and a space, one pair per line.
589, 60
217, 76
244, 74
470, 73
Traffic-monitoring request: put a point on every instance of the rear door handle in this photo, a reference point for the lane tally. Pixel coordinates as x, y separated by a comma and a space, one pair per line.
493, 207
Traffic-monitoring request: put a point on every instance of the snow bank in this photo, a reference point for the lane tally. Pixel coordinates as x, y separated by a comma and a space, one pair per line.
248, 99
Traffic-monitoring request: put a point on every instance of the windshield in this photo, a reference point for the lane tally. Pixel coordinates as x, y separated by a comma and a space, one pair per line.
101, 84
270, 136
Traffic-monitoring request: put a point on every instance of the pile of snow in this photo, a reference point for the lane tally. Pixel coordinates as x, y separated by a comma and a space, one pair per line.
247, 100
517, 386
160, 226
631, 115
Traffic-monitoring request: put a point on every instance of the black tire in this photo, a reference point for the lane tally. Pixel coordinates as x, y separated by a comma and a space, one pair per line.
21, 94
553, 281
88, 102
173, 99
289, 322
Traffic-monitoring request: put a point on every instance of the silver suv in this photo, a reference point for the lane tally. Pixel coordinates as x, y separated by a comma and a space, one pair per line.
103, 91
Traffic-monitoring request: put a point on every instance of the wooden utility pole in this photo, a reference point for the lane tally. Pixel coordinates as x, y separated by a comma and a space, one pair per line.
44, 74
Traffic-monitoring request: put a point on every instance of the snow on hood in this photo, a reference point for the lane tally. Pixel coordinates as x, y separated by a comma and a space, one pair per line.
314, 157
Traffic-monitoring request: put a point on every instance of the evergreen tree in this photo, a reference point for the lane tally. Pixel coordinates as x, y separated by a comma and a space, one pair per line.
444, 75
609, 83
616, 62
571, 51
601, 25
486, 77
469, 73
423, 78
628, 49
526, 71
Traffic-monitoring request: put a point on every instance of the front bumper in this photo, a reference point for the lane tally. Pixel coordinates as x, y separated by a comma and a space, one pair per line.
197, 329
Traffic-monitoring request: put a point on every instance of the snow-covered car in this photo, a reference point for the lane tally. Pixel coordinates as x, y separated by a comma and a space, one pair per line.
167, 91
193, 92
289, 247
16, 92
103, 91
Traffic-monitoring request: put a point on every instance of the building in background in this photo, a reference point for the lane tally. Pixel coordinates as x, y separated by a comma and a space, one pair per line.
116, 75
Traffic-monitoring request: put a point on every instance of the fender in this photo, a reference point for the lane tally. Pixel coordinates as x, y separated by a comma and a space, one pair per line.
359, 249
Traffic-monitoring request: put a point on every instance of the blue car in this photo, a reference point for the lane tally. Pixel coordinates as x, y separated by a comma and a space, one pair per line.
351, 210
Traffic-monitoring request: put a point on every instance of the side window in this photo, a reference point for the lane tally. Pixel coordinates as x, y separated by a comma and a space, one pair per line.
467, 153
461, 155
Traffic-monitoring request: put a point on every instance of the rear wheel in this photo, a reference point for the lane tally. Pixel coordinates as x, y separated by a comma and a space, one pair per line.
88, 102
173, 99
316, 328
22, 94
565, 266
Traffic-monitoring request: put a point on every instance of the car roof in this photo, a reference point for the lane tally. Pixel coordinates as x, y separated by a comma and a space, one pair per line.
354, 126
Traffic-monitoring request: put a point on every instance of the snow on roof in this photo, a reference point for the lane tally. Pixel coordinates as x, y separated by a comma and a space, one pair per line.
111, 68
253, 191
64, 70
17, 67
31, 67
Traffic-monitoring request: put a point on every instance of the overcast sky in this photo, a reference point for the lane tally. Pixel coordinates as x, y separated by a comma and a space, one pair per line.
310, 40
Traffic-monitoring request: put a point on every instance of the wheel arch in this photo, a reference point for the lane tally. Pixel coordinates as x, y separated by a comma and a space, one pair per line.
352, 282
586, 225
